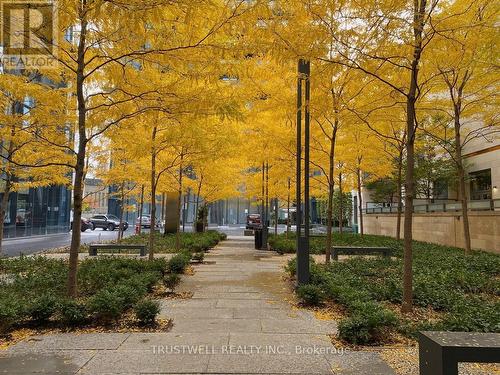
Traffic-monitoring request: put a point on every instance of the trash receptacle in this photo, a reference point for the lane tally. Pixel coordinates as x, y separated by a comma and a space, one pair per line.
258, 238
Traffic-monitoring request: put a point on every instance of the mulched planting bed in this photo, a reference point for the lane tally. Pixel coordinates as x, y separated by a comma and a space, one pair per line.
114, 293
452, 291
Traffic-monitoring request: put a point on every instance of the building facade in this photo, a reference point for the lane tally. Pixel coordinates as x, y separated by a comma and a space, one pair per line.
439, 220
482, 160
95, 197
38, 211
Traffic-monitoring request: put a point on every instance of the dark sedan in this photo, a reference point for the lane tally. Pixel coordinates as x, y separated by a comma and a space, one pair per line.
85, 224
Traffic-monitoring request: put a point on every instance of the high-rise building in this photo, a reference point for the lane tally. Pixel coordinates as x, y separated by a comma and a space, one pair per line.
38, 211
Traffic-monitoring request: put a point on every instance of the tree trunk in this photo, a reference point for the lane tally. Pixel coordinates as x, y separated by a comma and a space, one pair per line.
3, 207
179, 203
185, 208
122, 200
205, 215
341, 205
407, 305
288, 219
418, 25
152, 231
263, 205
141, 208
360, 203
461, 180
80, 160
197, 202
276, 213
162, 215
400, 195
8, 186
77, 222
267, 195
331, 187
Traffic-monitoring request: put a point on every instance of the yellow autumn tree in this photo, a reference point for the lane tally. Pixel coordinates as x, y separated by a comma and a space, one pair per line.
465, 101
34, 138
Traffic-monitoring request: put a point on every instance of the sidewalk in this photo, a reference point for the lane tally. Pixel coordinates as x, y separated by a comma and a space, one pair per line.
238, 322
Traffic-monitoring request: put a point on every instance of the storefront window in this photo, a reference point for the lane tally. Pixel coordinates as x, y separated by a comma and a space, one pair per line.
37, 212
24, 215
480, 185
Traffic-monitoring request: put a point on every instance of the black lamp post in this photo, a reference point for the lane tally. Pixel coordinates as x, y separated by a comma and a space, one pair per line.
304, 70
265, 205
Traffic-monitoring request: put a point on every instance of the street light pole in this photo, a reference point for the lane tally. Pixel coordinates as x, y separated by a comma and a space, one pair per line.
304, 69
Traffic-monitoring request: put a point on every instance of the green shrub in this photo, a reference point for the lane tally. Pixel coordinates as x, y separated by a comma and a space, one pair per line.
43, 307
128, 294
368, 324
355, 330
139, 283
72, 312
341, 291
146, 311
473, 316
310, 294
171, 280
158, 265
106, 305
36, 288
389, 289
198, 257
11, 311
291, 267
430, 292
192, 242
178, 263
317, 275
282, 245
149, 280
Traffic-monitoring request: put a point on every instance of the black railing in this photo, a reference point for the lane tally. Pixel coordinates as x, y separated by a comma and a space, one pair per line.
449, 206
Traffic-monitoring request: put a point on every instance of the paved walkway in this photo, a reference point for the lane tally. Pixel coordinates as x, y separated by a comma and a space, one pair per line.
238, 322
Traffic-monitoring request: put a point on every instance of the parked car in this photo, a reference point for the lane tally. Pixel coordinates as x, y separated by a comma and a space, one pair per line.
253, 221
107, 222
86, 224
145, 221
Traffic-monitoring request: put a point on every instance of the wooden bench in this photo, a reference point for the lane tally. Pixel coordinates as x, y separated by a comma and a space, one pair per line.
93, 248
359, 250
440, 352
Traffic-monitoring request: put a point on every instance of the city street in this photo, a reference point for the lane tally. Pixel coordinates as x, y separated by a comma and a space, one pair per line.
33, 245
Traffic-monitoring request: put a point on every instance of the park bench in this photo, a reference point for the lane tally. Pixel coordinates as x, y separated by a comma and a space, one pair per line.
94, 247
359, 250
440, 352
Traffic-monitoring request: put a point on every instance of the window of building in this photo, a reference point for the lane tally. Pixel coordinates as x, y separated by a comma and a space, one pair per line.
440, 189
480, 185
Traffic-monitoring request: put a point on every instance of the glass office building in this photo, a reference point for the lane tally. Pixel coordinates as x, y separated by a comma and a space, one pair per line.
38, 211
